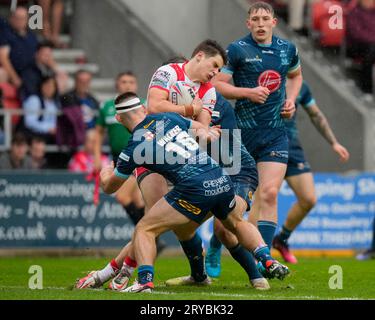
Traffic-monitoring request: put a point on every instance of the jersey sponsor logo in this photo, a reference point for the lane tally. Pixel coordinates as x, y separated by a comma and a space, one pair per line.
124, 157
160, 78
256, 59
267, 51
189, 207
242, 43
270, 79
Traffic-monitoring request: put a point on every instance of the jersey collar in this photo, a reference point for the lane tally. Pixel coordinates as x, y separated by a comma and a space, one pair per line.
260, 44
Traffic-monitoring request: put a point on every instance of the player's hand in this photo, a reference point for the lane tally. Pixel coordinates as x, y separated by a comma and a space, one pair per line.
289, 109
214, 133
197, 106
342, 152
106, 173
258, 94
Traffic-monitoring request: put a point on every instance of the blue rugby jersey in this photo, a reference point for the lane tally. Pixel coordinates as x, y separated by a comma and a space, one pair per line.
224, 116
161, 143
251, 65
304, 99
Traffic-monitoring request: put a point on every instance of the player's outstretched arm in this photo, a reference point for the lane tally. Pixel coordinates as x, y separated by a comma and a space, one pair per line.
322, 125
109, 182
229, 91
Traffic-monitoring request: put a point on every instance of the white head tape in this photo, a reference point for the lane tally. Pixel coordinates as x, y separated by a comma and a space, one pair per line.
129, 105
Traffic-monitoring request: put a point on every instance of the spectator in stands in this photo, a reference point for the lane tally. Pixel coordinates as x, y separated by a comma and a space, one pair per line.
17, 47
361, 39
118, 135
41, 111
38, 153
44, 66
53, 11
83, 161
9, 97
81, 96
17, 157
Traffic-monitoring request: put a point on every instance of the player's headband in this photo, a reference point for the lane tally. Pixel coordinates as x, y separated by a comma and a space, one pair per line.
129, 105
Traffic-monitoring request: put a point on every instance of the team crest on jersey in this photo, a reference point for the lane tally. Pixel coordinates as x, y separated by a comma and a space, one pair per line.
270, 79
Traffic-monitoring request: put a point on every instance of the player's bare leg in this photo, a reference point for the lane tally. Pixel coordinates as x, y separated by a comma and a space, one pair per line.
121, 269
271, 176
161, 218
192, 245
303, 187
153, 187
251, 239
241, 255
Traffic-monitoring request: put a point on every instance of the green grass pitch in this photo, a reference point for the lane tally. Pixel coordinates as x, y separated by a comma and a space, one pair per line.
309, 279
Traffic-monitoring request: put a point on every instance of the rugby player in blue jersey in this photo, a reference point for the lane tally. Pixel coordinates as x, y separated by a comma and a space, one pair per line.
161, 143
298, 177
298, 174
232, 155
260, 63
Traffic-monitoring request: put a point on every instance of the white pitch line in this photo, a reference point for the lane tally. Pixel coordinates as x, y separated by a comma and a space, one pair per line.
233, 295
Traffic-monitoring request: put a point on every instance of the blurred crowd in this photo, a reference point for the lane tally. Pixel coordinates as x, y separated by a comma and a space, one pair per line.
54, 114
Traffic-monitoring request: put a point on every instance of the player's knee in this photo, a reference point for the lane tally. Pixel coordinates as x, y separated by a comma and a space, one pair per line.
269, 195
308, 202
227, 238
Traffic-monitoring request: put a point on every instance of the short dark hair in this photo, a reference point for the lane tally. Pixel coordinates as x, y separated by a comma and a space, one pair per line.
126, 73
82, 71
125, 96
45, 44
37, 139
261, 5
211, 48
18, 139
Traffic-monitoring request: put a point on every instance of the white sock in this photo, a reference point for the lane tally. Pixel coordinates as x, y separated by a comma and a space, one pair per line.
107, 273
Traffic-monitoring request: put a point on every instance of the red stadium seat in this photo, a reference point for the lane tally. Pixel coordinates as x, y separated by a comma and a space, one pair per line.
319, 10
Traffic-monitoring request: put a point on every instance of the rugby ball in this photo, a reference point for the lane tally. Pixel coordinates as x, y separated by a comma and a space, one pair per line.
182, 93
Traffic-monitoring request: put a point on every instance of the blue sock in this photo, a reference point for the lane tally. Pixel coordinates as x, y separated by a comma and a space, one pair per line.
284, 234
215, 242
373, 237
267, 230
145, 274
194, 252
262, 254
246, 260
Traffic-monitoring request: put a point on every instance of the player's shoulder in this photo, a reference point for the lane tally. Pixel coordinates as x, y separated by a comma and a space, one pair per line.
241, 43
281, 42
